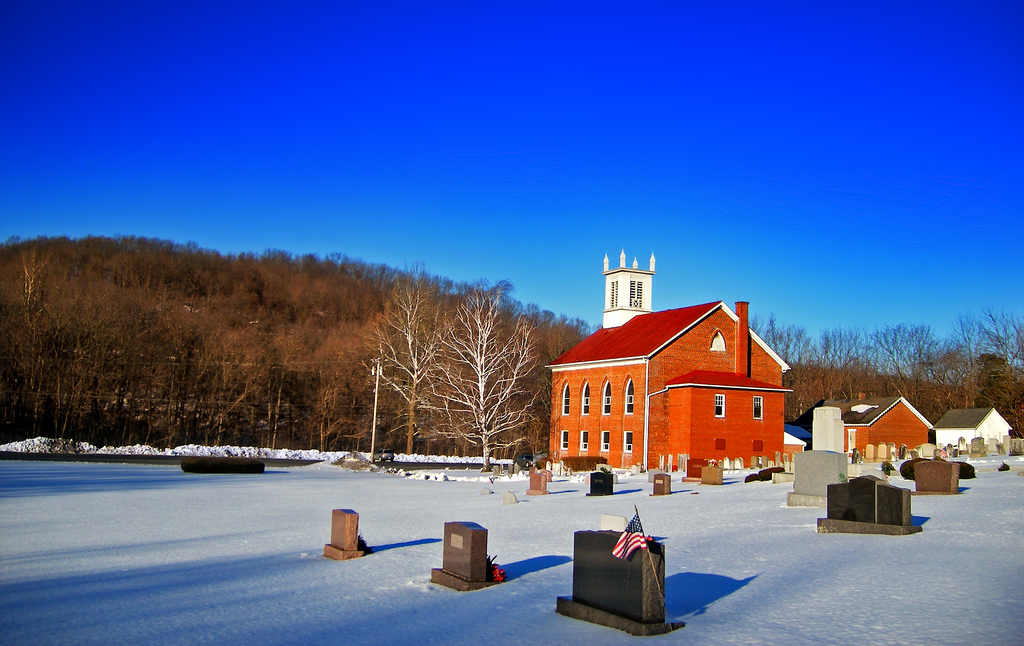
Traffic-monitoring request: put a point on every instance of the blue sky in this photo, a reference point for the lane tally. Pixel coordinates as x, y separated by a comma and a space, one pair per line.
849, 163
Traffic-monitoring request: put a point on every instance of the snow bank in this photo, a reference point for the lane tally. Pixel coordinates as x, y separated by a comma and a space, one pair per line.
50, 445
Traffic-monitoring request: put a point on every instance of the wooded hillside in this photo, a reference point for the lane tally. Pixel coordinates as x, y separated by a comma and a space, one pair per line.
130, 340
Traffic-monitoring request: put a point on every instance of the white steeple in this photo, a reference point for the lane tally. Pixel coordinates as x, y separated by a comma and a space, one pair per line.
627, 291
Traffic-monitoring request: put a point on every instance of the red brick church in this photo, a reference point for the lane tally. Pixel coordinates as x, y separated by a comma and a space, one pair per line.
691, 381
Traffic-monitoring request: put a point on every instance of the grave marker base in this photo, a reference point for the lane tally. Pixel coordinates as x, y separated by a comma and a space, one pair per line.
836, 526
576, 610
806, 500
456, 582
339, 554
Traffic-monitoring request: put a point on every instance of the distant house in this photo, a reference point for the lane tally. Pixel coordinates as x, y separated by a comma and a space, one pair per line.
875, 420
653, 386
797, 439
969, 423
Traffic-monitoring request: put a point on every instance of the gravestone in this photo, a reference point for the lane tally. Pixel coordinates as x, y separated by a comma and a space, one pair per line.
993, 445
961, 444
813, 472
601, 484
626, 594
869, 453
937, 477
538, 484
711, 475
913, 455
548, 475
662, 485
344, 543
1001, 448
613, 523
486, 492
1016, 446
509, 498
496, 470
978, 449
464, 564
827, 430
651, 473
694, 467
855, 457
927, 450
903, 452
883, 454
954, 452
669, 465
867, 505
778, 459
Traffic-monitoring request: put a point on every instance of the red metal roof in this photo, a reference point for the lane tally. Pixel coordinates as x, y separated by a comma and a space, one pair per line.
722, 380
640, 336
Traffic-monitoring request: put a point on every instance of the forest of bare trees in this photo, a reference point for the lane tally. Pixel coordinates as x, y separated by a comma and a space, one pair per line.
128, 340
979, 364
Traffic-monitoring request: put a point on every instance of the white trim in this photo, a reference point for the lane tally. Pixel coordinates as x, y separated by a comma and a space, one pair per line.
754, 406
722, 395
606, 446
627, 447
629, 360
584, 444
563, 440
882, 414
774, 389
600, 363
606, 398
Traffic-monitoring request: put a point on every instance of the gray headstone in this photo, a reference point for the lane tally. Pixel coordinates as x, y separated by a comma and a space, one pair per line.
508, 498
485, 492
827, 429
814, 470
651, 473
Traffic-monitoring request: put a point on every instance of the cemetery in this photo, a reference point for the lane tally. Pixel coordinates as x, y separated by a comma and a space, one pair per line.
159, 556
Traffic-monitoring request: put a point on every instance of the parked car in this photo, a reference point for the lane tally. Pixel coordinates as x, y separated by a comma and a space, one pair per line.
524, 460
386, 455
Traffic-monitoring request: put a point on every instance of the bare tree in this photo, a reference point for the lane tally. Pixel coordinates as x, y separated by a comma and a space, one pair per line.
481, 389
408, 341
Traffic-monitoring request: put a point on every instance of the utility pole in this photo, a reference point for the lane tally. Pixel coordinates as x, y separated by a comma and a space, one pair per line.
375, 371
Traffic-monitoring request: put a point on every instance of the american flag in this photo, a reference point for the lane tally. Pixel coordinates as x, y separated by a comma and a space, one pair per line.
631, 539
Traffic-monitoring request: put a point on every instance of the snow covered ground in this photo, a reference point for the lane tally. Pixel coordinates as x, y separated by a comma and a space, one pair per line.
51, 445
133, 554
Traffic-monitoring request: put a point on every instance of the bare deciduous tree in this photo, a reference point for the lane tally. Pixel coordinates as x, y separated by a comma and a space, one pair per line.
480, 389
407, 337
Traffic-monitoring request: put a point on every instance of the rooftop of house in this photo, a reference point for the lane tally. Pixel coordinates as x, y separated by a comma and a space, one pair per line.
963, 418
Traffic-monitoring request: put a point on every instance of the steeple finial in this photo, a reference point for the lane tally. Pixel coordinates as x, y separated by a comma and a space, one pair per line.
622, 258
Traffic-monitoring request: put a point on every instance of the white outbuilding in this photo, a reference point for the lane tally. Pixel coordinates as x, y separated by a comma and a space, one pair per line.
969, 423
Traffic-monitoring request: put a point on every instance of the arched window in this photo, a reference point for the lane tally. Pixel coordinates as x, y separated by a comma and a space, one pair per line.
606, 402
629, 397
586, 399
718, 343
565, 400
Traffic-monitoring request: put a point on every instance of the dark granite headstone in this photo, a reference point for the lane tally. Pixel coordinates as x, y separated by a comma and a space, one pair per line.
903, 452
866, 505
662, 484
464, 565
978, 448
628, 594
601, 484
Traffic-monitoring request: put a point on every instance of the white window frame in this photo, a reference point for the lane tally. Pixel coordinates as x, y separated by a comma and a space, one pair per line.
565, 440
606, 441
627, 442
565, 400
758, 407
629, 397
584, 441
606, 399
719, 405
585, 410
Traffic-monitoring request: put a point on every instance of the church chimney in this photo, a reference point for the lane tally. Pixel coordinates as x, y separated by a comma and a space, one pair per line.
742, 339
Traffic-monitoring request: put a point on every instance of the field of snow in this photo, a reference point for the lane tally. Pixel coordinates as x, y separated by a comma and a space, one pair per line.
134, 554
